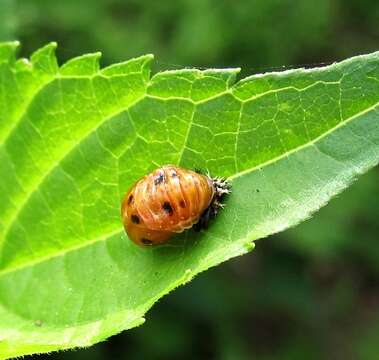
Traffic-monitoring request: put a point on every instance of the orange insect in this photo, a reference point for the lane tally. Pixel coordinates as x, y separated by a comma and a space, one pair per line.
170, 200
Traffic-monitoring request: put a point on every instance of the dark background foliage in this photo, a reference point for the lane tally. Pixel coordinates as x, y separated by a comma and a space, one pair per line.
311, 292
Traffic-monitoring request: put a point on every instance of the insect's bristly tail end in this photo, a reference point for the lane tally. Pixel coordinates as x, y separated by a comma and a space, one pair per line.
222, 187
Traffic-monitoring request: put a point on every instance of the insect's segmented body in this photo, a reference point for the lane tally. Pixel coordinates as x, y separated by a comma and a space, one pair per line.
166, 201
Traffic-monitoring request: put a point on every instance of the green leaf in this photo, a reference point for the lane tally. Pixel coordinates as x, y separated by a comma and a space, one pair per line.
74, 138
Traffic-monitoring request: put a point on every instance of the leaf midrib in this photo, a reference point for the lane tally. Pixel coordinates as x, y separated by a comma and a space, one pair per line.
239, 174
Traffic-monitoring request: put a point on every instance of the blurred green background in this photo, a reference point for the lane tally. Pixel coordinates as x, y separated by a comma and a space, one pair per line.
309, 293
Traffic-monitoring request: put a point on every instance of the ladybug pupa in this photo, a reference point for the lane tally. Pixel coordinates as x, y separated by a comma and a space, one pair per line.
170, 200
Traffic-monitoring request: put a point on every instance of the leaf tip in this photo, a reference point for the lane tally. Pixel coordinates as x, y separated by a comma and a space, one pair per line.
138, 64
14, 44
44, 59
228, 75
249, 246
52, 44
188, 275
8, 50
85, 65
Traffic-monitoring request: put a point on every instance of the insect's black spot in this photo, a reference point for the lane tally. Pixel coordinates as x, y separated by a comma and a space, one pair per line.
182, 204
257, 190
159, 179
135, 219
146, 241
130, 199
167, 207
